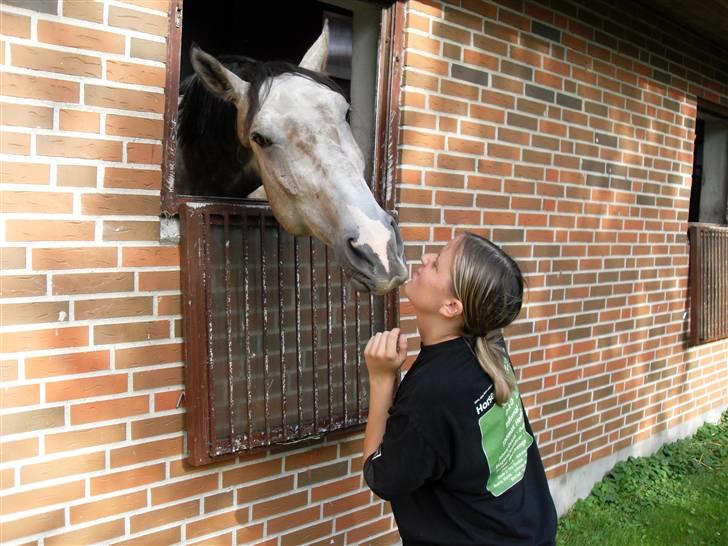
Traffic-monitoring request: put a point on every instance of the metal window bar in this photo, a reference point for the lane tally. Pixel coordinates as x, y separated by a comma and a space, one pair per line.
708, 283
258, 333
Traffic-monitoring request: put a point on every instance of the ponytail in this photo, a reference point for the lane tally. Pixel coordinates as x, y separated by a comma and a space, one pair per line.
490, 286
490, 356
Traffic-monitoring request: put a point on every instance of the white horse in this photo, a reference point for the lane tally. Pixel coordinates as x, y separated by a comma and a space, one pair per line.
294, 137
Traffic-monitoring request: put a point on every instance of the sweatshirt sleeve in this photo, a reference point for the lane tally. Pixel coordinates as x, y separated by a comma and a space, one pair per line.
404, 461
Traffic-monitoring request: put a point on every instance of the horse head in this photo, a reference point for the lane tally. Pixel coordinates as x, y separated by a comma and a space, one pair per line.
295, 126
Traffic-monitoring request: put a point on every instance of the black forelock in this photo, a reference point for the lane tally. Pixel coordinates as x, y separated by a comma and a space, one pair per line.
205, 116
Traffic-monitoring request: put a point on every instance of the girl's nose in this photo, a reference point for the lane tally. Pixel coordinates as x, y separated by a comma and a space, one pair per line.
427, 258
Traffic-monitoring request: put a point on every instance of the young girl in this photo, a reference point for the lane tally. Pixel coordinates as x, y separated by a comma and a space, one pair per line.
456, 455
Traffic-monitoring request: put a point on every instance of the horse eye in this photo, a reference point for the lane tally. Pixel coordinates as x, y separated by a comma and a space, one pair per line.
260, 140
348, 116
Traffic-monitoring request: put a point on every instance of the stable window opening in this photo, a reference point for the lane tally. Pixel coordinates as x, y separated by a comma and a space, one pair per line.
273, 330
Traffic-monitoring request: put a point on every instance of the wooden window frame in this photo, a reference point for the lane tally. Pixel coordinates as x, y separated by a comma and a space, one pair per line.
708, 269
385, 160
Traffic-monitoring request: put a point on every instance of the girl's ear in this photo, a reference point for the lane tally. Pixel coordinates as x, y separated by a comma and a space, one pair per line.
451, 308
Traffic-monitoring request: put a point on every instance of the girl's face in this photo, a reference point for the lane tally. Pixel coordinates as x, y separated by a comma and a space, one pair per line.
430, 287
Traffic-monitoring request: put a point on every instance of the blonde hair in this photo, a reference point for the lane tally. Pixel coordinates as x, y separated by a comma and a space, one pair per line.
489, 284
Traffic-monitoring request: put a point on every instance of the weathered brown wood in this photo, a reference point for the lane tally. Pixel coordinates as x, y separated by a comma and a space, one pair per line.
708, 287
169, 146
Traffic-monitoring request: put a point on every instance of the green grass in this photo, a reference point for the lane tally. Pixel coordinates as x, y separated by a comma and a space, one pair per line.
678, 496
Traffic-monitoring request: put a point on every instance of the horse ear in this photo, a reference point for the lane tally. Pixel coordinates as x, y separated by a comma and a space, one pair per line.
217, 79
316, 56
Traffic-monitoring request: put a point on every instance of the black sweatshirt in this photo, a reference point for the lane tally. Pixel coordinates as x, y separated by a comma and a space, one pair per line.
458, 468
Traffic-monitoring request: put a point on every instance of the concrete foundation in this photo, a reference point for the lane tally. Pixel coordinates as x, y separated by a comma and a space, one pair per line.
568, 488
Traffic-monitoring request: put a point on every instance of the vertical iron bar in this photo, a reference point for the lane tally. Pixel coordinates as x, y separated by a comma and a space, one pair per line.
246, 320
208, 316
229, 325
329, 332
357, 324
371, 314
314, 340
281, 310
299, 363
264, 290
344, 318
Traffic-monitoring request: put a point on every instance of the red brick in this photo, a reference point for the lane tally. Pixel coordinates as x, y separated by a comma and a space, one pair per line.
269, 488
159, 280
130, 331
157, 426
80, 37
147, 49
21, 395
33, 312
154, 379
83, 148
83, 9
142, 152
14, 143
123, 99
66, 364
166, 537
61, 468
95, 534
32, 87
148, 451
217, 522
137, 20
38, 498
26, 115
78, 120
74, 258
78, 439
113, 307
136, 127
51, 60
104, 410
148, 355
77, 176
248, 473
15, 25
99, 204
8, 370
150, 256
36, 340
36, 524
184, 489
154, 518
86, 387
92, 283
135, 73
131, 178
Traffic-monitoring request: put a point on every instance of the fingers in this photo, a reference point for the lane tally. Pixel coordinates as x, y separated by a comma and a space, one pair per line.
391, 342
402, 346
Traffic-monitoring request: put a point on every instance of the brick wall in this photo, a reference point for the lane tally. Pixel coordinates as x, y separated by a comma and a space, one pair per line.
93, 448
546, 129
564, 131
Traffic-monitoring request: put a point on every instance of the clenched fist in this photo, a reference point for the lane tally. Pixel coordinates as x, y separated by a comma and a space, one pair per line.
385, 353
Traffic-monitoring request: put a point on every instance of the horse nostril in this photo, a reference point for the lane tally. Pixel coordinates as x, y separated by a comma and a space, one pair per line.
357, 254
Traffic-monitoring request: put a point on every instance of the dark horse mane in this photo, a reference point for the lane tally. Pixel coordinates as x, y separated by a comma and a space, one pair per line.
210, 158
